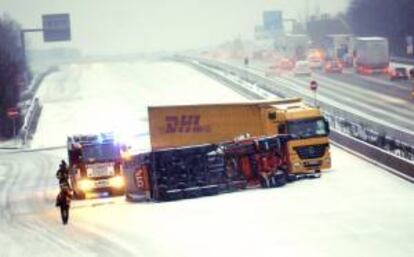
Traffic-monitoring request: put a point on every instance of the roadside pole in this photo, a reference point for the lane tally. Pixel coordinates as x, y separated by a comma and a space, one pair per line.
13, 113
314, 87
246, 66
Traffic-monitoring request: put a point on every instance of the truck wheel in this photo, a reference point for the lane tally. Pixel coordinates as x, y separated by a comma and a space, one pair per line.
264, 182
291, 177
281, 180
317, 174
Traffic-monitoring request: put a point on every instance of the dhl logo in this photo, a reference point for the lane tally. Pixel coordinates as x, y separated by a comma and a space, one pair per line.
185, 124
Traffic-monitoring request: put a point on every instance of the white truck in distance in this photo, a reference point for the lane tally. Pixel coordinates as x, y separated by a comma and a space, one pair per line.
371, 55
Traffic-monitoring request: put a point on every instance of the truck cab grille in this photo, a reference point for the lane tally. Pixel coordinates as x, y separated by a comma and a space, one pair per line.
311, 152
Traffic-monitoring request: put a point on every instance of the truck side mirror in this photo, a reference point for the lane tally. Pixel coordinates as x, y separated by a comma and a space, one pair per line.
271, 115
328, 130
282, 129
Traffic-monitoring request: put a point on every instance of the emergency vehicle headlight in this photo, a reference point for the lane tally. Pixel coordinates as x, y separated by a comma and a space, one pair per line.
117, 182
126, 155
86, 185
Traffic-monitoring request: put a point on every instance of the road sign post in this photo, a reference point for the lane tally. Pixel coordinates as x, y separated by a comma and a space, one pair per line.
13, 113
246, 66
314, 87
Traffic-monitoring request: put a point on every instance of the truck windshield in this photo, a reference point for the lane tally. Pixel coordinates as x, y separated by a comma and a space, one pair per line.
308, 128
101, 152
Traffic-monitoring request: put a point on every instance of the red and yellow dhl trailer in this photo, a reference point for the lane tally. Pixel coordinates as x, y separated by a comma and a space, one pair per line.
186, 125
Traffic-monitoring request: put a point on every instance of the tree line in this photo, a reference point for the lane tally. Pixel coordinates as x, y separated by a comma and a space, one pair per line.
13, 71
393, 19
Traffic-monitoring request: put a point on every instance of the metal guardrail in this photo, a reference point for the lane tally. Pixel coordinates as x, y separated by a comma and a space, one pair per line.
350, 130
31, 150
283, 90
33, 113
37, 80
403, 60
395, 164
247, 93
30, 121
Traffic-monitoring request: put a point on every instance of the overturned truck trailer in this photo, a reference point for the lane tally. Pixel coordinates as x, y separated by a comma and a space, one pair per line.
209, 169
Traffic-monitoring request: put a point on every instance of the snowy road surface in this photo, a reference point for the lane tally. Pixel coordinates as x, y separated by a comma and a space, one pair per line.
355, 209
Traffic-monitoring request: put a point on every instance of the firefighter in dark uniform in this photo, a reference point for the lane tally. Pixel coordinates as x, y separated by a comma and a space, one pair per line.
64, 197
63, 202
63, 174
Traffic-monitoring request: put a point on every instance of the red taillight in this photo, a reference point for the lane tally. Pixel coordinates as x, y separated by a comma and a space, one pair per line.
366, 71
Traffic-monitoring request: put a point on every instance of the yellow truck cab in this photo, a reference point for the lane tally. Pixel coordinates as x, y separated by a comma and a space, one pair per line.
185, 125
308, 150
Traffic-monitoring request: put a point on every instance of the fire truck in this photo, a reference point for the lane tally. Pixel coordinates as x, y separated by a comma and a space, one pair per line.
95, 165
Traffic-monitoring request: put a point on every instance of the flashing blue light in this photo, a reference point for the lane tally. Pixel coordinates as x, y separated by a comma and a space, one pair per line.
103, 194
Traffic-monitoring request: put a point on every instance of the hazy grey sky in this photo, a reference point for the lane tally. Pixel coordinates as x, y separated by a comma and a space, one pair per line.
122, 26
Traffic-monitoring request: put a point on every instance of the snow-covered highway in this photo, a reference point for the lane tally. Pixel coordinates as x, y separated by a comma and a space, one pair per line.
355, 209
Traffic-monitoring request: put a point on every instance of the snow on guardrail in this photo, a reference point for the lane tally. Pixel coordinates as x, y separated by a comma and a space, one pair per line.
34, 110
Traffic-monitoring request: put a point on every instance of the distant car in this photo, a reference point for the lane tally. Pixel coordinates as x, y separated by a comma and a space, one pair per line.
398, 73
302, 68
286, 64
333, 66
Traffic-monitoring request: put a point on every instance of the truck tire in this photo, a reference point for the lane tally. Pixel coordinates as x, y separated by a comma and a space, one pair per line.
281, 180
264, 182
317, 174
291, 177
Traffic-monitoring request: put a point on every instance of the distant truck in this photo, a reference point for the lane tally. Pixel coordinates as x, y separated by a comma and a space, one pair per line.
338, 46
371, 55
186, 125
95, 165
293, 46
